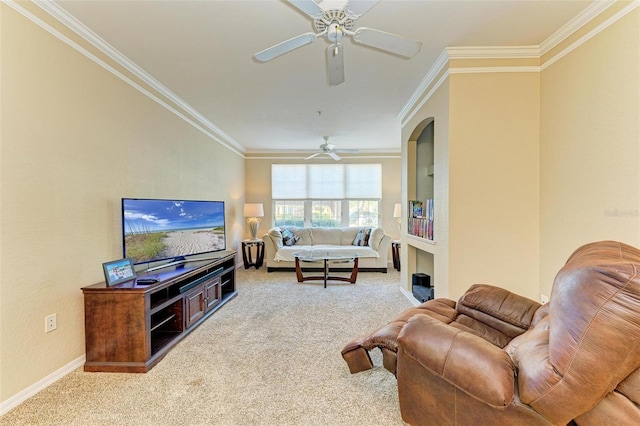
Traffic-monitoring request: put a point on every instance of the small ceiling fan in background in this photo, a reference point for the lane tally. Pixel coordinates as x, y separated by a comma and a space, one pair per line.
335, 23
329, 149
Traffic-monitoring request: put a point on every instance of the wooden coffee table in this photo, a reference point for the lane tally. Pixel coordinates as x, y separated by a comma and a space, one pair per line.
326, 258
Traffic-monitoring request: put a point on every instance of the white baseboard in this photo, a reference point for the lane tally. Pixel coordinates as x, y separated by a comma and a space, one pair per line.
20, 397
409, 296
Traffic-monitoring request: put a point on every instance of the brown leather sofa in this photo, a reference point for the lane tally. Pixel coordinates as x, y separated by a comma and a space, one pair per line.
500, 359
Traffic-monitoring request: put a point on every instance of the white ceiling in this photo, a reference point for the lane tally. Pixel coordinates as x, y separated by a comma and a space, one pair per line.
203, 52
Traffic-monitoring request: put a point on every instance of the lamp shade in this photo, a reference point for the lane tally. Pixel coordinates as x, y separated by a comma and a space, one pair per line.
253, 210
397, 210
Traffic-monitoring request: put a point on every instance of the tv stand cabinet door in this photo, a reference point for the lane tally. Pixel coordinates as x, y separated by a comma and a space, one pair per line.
194, 305
212, 293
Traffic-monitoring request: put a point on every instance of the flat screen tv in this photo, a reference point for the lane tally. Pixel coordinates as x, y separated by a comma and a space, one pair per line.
155, 230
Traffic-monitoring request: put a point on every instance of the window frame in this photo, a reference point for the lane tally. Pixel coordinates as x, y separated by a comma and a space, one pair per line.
308, 212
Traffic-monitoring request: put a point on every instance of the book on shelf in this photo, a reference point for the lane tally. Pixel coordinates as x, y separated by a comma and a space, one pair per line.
415, 212
421, 218
415, 208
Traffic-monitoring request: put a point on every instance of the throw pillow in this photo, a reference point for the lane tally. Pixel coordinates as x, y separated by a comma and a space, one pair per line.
376, 237
276, 235
288, 238
362, 237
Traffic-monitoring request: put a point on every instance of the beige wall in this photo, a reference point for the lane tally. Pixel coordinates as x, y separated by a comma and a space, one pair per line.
590, 145
75, 139
258, 188
493, 181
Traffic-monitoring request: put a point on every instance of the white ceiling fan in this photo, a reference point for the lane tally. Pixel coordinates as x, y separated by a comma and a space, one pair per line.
334, 22
329, 149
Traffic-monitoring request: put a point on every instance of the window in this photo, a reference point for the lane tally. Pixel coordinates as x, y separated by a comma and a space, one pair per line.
289, 213
363, 213
326, 195
326, 214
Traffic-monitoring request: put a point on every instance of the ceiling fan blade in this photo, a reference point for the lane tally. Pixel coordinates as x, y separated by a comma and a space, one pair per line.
314, 155
335, 64
309, 7
286, 46
334, 155
360, 7
387, 41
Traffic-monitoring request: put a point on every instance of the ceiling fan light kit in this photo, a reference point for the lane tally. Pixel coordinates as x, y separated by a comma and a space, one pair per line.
333, 24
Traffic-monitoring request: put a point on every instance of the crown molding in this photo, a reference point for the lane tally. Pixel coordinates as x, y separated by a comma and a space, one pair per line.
480, 70
493, 52
415, 108
342, 157
190, 115
419, 98
593, 10
595, 31
437, 67
276, 154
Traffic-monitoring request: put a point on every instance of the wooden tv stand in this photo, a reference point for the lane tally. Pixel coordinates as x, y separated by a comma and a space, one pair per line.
130, 327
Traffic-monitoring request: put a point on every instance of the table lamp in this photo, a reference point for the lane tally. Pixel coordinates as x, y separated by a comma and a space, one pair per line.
397, 213
253, 213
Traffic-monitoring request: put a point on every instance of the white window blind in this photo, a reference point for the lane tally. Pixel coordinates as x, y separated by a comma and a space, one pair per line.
288, 181
363, 181
326, 181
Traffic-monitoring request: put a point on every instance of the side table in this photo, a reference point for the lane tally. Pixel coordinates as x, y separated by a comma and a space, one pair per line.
247, 258
395, 254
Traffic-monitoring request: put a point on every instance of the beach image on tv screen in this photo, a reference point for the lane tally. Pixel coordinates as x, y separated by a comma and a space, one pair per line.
164, 229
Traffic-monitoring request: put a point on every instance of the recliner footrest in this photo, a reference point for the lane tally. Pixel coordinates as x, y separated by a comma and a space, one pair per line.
356, 352
357, 357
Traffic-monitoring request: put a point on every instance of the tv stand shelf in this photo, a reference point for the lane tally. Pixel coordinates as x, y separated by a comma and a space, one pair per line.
129, 327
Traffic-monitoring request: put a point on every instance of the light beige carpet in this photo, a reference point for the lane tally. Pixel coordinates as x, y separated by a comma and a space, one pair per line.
271, 356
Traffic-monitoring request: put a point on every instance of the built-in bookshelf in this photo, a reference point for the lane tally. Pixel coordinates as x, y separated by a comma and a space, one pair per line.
419, 236
420, 221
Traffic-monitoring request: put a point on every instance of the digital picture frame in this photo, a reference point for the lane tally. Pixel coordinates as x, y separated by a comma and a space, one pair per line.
118, 271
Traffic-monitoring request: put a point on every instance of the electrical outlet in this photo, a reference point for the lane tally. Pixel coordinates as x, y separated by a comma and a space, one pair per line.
50, 323
544, 298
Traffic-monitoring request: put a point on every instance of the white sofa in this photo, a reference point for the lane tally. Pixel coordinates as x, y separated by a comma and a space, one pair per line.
371, 258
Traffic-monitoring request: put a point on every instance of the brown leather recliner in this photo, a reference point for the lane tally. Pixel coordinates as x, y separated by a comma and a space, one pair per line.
493, 313
576, 361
